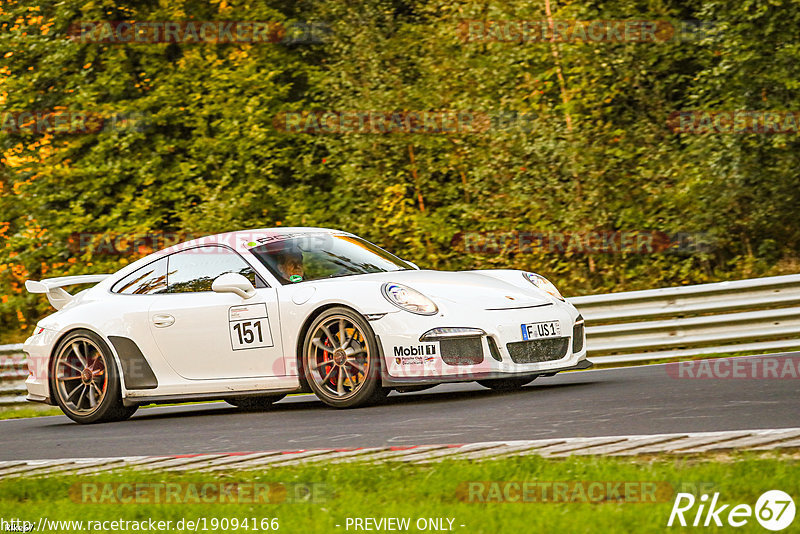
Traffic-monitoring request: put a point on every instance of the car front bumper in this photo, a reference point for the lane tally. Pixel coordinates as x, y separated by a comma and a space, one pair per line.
408, 360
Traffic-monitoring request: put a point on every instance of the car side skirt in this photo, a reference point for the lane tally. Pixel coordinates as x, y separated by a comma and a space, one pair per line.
200, 397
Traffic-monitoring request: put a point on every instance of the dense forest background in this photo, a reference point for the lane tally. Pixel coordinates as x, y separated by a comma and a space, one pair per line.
578, 137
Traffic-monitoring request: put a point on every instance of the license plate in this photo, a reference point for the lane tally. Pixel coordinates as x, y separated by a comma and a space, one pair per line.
539, 330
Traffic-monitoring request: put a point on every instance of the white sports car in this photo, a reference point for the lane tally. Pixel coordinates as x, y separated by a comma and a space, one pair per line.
252, 316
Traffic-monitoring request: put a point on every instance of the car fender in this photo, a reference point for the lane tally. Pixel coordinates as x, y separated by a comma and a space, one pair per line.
300, 303
42, 364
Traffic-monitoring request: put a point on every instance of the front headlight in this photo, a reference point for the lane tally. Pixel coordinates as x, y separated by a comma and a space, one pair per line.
543, 283
408, 299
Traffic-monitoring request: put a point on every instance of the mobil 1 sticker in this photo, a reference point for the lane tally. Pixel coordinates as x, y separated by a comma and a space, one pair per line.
425, 354
249, 327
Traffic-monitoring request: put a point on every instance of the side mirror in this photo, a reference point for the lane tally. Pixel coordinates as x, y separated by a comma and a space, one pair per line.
234, 283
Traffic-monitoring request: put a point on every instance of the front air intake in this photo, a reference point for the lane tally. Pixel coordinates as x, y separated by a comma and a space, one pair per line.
538, 350
493, 350
462, 351
577, 338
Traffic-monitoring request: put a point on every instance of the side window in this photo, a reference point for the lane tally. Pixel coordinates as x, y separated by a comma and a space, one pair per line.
150, 279
196, 269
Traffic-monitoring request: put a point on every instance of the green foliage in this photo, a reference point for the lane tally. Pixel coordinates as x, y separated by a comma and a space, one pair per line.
201, 152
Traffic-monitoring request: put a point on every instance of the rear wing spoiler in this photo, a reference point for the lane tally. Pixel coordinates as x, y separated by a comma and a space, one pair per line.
52, 287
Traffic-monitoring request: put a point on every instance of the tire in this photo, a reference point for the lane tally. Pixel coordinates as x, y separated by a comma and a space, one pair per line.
81, 370
254, 404
341, 360
506, 384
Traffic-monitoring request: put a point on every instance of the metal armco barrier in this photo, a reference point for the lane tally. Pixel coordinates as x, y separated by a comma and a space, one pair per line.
13, 372
761, 314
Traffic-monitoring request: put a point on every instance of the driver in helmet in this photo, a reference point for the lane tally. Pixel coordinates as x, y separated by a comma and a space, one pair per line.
290, 264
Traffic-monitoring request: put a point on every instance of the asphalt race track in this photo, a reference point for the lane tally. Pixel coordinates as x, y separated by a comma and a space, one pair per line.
633, 400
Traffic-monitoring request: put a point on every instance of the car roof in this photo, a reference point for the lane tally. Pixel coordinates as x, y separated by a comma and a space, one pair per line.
238, 240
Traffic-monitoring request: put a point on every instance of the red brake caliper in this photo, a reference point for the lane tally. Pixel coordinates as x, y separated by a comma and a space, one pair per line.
327, 357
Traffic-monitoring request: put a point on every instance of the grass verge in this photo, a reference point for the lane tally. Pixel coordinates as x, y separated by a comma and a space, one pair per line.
341, 491
27, 410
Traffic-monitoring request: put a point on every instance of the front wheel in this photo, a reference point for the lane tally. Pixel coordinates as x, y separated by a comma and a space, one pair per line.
340, 359
85, 381
506, 384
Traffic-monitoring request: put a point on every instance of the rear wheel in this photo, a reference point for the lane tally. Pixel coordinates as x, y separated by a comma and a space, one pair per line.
340, 359
85, 381
506, 384
262, 402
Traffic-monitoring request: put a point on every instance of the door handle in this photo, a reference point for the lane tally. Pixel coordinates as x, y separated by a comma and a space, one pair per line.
163, 320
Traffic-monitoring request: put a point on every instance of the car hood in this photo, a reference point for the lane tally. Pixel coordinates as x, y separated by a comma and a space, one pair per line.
466, 288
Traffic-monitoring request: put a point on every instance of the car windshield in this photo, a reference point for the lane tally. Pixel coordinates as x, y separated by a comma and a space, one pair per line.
304, 257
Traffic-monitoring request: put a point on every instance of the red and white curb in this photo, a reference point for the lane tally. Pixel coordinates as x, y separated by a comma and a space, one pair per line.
681, 443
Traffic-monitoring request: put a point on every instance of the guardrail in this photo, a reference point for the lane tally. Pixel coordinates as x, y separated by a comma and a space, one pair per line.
13, 372
761, 314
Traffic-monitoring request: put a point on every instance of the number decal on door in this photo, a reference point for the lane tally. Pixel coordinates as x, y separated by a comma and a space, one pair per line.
249, 332
249, 327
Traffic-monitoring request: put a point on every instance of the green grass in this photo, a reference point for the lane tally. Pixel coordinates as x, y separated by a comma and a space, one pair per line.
398, 490
28, 410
